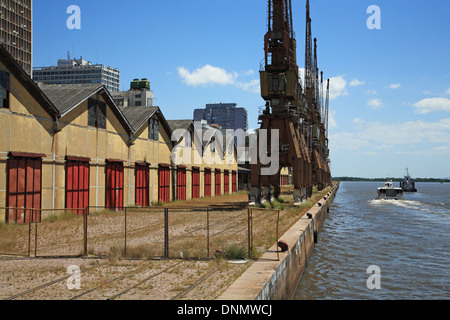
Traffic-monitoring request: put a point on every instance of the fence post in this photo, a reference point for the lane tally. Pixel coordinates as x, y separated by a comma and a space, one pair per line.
125, 244
278, 238
207, 230
85, 237
29, 238
249, 236
35, 239
166, 233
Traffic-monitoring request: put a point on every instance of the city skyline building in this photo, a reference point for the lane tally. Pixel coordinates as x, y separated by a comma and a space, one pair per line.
226, 115
16, 31
78, 71
139, 95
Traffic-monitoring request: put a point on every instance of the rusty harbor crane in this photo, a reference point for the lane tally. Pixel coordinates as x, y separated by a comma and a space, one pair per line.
300, 115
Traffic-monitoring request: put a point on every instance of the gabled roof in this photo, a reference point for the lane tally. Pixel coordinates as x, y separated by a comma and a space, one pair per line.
67, 97
138, 116
24, 78
180, 124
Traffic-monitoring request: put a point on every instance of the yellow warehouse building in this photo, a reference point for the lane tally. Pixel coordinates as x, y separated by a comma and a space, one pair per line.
71, 146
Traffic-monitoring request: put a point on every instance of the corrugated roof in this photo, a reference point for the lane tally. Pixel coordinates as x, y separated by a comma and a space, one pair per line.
179, 124
137, 116
67, 96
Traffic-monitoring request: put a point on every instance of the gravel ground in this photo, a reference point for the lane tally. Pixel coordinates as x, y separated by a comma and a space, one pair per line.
117, 278
110, 278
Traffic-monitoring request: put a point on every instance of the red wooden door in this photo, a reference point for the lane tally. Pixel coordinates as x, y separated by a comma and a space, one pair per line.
181, 184
114, 185
164, 184
195, 183
142, 185
207, 183
24, 189
234, 181
77, 185
218, 182
226, 182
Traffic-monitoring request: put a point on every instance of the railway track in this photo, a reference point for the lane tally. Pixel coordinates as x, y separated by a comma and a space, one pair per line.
115, 281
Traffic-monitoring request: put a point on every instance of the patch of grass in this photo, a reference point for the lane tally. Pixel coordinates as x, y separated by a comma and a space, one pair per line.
265, 205
142, 251
232, 252
236, 252
59, 217
158, 204
276, 204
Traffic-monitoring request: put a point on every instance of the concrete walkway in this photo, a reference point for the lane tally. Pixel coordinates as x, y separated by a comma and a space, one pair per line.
276, 275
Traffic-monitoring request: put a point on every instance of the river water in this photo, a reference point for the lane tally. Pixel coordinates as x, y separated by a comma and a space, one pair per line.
406, 241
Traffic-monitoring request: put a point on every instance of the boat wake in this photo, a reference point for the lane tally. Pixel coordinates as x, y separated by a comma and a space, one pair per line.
440, 208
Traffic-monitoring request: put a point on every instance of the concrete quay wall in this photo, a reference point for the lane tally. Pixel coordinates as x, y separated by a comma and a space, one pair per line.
271, 279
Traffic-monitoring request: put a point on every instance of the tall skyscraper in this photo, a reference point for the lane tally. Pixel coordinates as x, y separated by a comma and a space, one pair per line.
226, 115
16, 34
78, 71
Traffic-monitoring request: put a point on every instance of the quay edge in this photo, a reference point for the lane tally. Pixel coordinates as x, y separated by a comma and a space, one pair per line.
271, 279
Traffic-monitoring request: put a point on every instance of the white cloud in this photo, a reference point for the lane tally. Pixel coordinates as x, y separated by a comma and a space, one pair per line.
358, 121
375, 104
252, 86
371, 92
448, 91
407, 132
206, 75
338, 87
394, 86
385, 136
442, 150
431, 105
355, 82
347, 141
332, 124
249, 72
210, 75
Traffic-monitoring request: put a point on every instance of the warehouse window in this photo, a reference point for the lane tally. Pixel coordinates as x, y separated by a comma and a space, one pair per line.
96, 114
153, 129
4, 89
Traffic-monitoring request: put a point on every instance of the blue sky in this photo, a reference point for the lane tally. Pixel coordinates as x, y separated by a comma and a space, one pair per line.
390, 106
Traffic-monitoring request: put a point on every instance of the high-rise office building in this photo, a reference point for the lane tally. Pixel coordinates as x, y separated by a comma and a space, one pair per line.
16, 34
226, 115
78, 71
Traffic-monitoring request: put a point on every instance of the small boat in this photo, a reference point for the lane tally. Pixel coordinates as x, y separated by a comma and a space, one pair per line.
389, 192
408, 185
